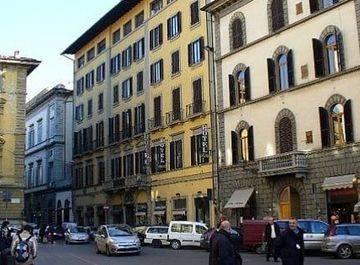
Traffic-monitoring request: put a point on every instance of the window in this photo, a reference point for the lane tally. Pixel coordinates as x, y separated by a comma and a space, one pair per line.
90, 54
139, 49
175, 62
115, 64
139, 19
81, 61
198, 104
101, 46
101, 102
158, 158
116, 36
140, 119
237, 34
284, 78
99, 134
180, 204
157, 112
114, 129
50, 170
156, 37
354, 230
234, 148
196, 51
341, 230
286, 135
79, 181
127, 88
244, 141
332, 54
116, 168
90, 79
38, 173
126, 124
277, 15
328, 3
337, 120
126, 57
52, 112
156, 72
79, 113
155, 6
199, 149
281, 72
316, 5
80, 86
239, 88
115, 94
174, 26
176, 156
194, 10
318, 227
140, 81
101, 171
176, 105
140, 165
200, 229
127, 28
128, 165
30, 175
89, 175
39, 131
100, 73
89, 107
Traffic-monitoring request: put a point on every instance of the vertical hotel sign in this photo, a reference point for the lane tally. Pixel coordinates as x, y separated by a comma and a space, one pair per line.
205, 141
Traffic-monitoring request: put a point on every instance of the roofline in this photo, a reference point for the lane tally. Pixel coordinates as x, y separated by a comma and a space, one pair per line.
217, 5
30, 63
109, 18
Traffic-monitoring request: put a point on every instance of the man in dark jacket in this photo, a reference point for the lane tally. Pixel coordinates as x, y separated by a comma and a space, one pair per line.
5, 242
291, 244
222, 251
272, 233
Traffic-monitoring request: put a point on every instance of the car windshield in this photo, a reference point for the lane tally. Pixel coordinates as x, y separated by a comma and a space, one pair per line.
77, 230
118, 231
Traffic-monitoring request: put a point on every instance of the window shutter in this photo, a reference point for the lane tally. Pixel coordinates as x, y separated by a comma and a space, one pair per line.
192, 14
190, 54
290, 67
143, 116
202, 48
271, 75
136, 115
130, 56
153, 160
232, 90
324, 127
179, 21
137, 164
131, 165
247, 84
134, 51
131, 86
160, 34
172, 155
117, 127
314, 6
318, 52
348, 122
197, 94
118, 161
112, 168
193, 150
251, 143
176, 102
130, 119
151, 39
169, 28
340, 54
237, 34
234, 147
161, 69
111, 139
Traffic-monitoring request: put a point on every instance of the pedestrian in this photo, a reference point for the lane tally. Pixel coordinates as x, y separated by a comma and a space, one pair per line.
24, 247
222, 251
291, 244
42, 233
5, 242
272, 233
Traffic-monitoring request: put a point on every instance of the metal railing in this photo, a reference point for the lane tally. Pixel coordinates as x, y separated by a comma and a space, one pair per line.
195, 108
296, 161
156, 122
174, 116
139, 128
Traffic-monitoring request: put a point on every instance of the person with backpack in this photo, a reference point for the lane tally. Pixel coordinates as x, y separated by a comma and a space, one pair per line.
5, 242
24, 247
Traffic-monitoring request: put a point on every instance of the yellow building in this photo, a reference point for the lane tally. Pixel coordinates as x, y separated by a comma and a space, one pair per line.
142, 112
13, 73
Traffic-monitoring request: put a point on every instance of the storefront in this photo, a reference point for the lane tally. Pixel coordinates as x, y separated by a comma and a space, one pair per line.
202, 208
179, 209
117, 214
141, 214
160, 212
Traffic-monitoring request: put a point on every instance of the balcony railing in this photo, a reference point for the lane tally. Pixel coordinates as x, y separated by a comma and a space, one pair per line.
139, 129
174, 117
195, 109
137, 181
117, 183
292, 162
156, 123
114, 138
126, 133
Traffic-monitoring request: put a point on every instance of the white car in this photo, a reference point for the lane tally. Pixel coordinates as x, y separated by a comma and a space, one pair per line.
184, 233
157, 236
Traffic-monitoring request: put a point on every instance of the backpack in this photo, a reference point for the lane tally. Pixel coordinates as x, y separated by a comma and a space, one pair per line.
22, 250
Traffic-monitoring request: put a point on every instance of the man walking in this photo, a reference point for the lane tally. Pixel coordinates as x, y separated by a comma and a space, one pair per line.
272, 233
222, 251
291, 244
24, 247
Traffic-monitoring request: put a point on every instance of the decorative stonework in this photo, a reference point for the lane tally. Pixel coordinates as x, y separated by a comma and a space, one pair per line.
282, 114
331, 29
2, 103
335, 99
241, 126
235, 16
269, 14
279, 51
238, 68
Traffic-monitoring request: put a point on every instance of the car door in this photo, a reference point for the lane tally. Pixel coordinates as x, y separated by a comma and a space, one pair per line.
162, 235
318, 230
354, 237
199, 231
308, 237
186, 234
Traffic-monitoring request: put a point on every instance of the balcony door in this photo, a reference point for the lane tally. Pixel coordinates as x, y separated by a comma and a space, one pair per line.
289, 203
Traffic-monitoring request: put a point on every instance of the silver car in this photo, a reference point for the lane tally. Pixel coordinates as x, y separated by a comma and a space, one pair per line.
76, 235
116, 239
344, 241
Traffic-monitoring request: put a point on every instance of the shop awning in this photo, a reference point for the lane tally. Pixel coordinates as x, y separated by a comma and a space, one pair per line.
159, 212
357, 207
179, 212
339, 182
140, 214
239, 198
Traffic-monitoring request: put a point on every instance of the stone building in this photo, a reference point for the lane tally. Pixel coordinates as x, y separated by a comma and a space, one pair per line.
287, 77
48, 157
14, 71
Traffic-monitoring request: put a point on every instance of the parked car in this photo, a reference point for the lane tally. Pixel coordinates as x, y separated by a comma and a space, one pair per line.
66, 225
235, 237
184, 233
116, 239
314, 232
58, 232
140, 231
253, 235
345, 242
76, 235
157, 236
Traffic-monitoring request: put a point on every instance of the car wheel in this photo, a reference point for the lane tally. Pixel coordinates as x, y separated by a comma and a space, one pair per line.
108, 252
156, 243
344, 251
97, 249
175, 244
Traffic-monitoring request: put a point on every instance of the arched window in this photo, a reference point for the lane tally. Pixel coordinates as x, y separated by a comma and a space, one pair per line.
244, 141
277, 15
332, 53
328, 3
237, 33
241, 86
283, 72
337, 120
286, 135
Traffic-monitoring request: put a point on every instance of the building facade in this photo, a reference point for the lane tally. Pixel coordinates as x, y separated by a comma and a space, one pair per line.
13, 74
287, 107
48, 157
142, 115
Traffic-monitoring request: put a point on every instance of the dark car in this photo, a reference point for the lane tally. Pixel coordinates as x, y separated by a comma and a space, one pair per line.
59, 233
235, 237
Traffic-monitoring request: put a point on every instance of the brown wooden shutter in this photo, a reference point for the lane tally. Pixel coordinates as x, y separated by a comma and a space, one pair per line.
193, 150
153, 160
340, 54
290, 68
169, 28
178, 154
179, 21
157, 111
232, 90
117, 127
237, 34
142, 122
134, 51
118, 162
348, 122
161, 69
190, 54
314, 6
251, 144
112, 168
324, 127
202, 48
277, 12
172, 155
271, 75
234, 147
111, 130
176, 103
318, 52
151, 40
160, 34
247, 84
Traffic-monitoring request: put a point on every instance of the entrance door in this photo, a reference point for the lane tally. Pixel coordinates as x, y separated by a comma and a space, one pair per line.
289, 201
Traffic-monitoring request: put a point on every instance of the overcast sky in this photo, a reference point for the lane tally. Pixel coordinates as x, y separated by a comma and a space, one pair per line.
42, 29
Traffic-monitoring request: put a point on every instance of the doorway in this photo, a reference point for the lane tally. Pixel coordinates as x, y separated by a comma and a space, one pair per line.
289, 203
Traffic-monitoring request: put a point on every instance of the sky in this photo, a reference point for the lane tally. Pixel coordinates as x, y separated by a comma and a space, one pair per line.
43, 29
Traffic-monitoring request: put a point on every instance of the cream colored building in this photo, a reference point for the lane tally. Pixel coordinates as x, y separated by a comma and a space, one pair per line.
287, 73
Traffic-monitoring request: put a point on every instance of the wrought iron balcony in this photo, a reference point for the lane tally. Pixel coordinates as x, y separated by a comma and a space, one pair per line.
137, 181
126, 134
114, 137
156, 123
292, 162
114, 184
139, 129
195, 109
173, 117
